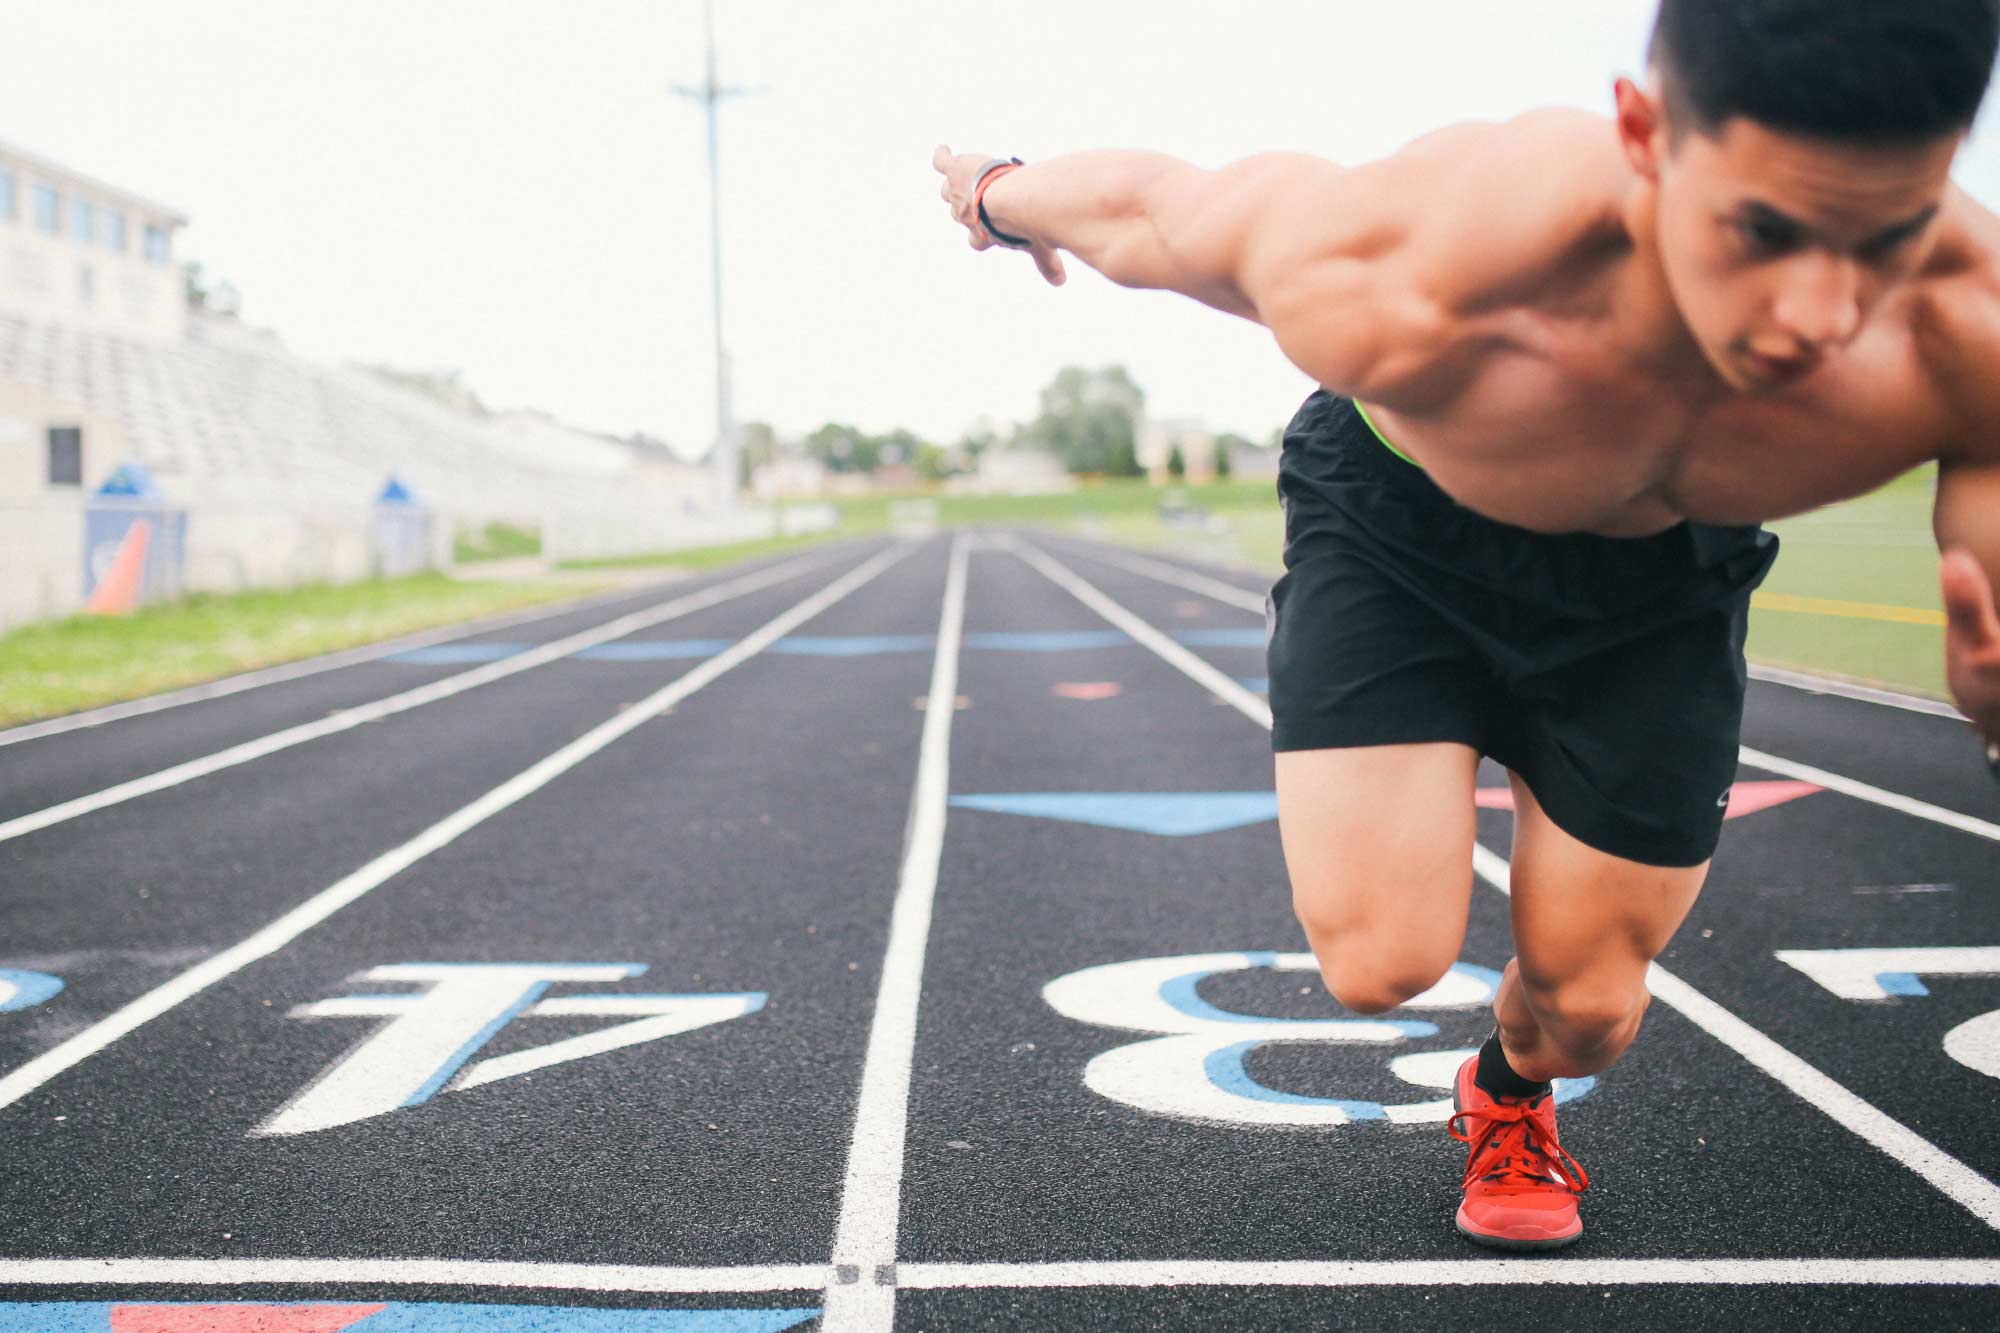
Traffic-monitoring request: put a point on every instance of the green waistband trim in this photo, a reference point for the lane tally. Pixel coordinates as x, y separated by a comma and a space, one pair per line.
1380, 436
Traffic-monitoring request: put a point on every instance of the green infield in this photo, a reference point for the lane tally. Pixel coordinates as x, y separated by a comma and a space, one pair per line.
61, 666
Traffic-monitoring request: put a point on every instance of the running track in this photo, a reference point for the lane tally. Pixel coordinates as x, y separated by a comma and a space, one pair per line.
898, 933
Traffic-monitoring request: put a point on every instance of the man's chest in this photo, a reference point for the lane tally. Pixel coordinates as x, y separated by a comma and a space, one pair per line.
1571, 443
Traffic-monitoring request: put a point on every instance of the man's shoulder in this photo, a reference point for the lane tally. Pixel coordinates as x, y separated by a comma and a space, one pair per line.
1512, 203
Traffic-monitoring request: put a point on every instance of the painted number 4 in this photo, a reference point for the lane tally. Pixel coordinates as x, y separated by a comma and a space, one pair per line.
431, 1035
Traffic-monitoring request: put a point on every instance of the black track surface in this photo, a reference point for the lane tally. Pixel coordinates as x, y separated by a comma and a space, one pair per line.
751, 840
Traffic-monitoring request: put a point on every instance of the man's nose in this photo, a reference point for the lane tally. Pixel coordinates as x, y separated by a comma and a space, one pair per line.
1820, 303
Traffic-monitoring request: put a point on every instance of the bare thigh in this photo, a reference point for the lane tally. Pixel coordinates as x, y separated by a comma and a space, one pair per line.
1378, 842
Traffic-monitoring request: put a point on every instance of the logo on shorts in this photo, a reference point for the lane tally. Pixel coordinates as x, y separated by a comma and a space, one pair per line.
1722, 801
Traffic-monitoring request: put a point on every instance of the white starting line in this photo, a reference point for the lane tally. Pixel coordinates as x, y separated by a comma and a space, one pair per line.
1135, 1273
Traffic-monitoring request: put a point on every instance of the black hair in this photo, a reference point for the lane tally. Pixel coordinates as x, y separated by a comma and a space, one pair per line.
1873, 70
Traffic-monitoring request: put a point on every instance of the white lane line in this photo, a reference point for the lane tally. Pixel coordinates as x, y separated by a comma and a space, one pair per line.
348, 718
1457, 1273
1941, 1170
1159, 571
1945, 1173
312, 666
864, 1240
331, 899
500, 1273
1214, 680
1861, 791
414, 1272
1847, 689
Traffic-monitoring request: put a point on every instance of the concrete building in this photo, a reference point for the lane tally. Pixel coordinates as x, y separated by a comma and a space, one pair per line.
79, 252
1159, 438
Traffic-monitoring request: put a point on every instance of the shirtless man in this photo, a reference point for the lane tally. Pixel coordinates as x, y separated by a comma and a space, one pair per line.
1567, 366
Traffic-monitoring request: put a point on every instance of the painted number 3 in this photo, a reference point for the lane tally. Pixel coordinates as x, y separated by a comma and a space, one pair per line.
1193, 1067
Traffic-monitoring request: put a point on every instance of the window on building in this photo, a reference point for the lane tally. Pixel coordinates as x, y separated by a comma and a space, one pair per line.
86, 285
113, 229
6, 194
47, 206
65, 455
159, 249
82, 221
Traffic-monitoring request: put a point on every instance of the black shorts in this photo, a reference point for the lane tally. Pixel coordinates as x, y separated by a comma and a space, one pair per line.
1607, 672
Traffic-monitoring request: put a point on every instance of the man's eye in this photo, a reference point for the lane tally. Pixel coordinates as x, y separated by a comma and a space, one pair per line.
1768, 236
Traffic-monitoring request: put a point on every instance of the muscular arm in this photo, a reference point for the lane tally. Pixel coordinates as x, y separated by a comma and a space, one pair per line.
1363, 275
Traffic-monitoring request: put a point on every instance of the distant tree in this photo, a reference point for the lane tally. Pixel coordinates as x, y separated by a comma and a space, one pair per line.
756, 445
1222, 464
1090, 420
843, 448
1177, 464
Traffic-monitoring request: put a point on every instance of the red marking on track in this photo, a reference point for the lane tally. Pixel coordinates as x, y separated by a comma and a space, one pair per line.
1087, 689
239, 1318
1745, 798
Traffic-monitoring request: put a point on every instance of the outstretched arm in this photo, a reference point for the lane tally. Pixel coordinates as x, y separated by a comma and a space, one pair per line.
1367, 276
1967, 523
1308, 249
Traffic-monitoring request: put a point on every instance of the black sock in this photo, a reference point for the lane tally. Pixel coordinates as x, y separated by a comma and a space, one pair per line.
1498, 1078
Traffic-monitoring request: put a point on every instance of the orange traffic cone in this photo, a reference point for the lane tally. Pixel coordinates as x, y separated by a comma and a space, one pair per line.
117, 593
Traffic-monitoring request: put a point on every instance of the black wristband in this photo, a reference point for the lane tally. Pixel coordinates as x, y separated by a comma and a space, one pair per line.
1013, 242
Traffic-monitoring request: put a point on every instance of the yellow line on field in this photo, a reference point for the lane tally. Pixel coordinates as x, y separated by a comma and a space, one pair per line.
1827, 606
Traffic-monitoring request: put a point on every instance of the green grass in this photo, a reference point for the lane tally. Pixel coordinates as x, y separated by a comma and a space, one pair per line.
495, 541
1876, 549
61, 666
711, 557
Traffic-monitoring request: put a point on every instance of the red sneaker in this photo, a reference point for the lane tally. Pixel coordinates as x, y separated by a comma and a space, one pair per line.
1520, 1186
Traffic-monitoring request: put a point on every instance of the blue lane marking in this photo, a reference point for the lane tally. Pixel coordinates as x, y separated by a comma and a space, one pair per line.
1222, 638
1167, 814
1225, 1070
652, 650
444, 654
1048, 643
1901, 983
395, 1317
852, 645
1255, 684
25, 990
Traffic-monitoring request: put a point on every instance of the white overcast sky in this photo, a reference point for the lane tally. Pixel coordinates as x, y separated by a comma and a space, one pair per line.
508, 188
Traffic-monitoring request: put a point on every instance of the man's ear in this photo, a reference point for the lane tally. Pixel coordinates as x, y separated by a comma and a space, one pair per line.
1642, 127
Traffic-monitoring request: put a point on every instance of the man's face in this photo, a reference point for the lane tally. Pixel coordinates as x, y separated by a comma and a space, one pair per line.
1777, 246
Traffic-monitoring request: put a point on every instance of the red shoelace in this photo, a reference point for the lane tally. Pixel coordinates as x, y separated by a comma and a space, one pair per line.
1519, 1152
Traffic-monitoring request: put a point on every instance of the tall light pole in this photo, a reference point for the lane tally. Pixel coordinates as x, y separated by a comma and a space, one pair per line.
710, 94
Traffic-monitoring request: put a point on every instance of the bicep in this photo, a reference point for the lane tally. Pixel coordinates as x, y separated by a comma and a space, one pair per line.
1311, 250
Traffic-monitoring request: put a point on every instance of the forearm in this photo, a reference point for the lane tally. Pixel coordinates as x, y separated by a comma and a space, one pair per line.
1092, 204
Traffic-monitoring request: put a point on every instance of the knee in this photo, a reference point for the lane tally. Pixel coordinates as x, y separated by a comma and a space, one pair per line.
1589, 1016
1371, 972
